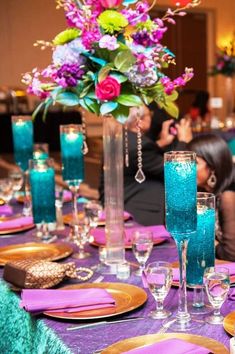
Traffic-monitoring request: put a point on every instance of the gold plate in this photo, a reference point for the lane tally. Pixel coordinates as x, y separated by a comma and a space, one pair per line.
127, 297
69, 217
228, 323
156, 242
137, 342
217, 262
46, 251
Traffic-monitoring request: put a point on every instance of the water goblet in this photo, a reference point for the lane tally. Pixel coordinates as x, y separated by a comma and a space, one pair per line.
217, 283
41, 151
159, 279
17, 179
22, 131
6, 189
80, 236
201, 250
142, 244
42, 182
93, 210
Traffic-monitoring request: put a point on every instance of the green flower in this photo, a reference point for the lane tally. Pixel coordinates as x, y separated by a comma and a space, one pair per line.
148, 25
112, 21
66, 36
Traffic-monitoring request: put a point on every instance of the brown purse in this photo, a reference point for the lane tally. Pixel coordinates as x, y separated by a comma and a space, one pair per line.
39, 274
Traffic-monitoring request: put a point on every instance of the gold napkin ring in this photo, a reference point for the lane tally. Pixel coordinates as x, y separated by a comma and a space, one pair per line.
84, 270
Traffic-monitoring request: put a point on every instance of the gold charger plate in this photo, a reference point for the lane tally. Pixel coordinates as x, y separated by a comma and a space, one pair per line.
68, 218
127, 297
228, 323
128, 246
49, 252
217, 262
137, 342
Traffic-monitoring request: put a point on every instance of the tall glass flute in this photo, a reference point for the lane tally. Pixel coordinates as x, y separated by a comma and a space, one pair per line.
71, 142
181, 221
22, 130
201, 250
42, 183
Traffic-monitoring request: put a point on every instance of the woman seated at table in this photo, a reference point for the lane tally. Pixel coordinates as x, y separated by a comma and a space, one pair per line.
145, 201
215, 174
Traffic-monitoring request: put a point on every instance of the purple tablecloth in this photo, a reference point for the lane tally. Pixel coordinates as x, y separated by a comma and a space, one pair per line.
86, 341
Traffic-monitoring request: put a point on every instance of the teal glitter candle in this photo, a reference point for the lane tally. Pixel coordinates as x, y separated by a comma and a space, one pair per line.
71, 142
180, 198
22, 129
201, 247
42, 182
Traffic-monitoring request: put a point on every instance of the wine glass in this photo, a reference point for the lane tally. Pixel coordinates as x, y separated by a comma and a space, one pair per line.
217, 283
17, 179
181, 221
142, 244
41, 151
22, 130
6, 189
93, 210
42, 182
201, 250
159, 278
80, 235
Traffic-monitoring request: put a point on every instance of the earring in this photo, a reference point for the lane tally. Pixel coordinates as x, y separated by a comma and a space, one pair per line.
212, 180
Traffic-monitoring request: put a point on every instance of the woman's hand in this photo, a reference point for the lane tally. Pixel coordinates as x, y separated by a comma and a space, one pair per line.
184, 130
165, 137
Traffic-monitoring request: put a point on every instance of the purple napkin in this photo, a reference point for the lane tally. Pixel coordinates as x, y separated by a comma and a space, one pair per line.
6, 210
126, 216
231, 294
74, 300
159, 232
166, 346
15, 223
230, 266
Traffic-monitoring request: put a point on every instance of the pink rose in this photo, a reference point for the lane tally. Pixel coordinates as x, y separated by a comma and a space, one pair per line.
108, 4
108, 89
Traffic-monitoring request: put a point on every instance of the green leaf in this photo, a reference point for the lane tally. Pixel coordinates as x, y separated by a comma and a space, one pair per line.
171, 108
48, 102
129, 100
121, 114
99, 61
68, 99
119, 77
55, 92
124, 60
128, 2
85, 90
172, 97
36, 111
93, 105
108, 107
103, 73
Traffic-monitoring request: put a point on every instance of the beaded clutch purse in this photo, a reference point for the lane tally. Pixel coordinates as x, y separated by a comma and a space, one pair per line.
41, 274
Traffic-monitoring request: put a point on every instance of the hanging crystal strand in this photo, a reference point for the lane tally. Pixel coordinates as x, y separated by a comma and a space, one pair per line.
126, 147
85, 146
139, 177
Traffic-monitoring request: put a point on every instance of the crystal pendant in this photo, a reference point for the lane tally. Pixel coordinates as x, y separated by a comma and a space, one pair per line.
140, 177
85, 148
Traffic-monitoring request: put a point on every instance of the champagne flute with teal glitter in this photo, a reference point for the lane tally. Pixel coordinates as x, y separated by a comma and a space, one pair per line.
201, 250
181, 221
42, 183
22, 131
71, 142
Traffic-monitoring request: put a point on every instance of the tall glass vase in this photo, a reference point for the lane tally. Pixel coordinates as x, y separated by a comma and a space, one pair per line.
113, 187
229, 97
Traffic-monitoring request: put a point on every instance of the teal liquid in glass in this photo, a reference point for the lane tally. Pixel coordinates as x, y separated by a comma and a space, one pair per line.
201, 247
40, 155
23, 143
72, 157
42, 182
181, 198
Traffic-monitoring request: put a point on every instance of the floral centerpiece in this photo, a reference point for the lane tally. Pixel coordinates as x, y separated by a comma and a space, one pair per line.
110, 58
225, 60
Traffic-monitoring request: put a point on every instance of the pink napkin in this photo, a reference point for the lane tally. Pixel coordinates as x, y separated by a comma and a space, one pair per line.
231, 294
159, 232
230, 266
67, 195
39, 300
126, 216
15, 223
166, 347
6, 210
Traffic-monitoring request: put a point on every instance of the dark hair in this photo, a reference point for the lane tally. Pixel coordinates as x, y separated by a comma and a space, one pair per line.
214, 150
201, 102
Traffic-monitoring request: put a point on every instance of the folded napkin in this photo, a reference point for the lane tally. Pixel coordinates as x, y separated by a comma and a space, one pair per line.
6, 210
126, 215
166, 346
74, 300
15, 223
159, 232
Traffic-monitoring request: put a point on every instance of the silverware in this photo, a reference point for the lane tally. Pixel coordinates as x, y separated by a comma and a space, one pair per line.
88, 325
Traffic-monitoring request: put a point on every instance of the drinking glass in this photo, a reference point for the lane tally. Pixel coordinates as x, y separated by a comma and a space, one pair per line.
181, 221
142, 244
42, 182
217, 283
80, 236
41, 151
93, 210
159, 279
17, 179
6, 189
201, 249
22, 130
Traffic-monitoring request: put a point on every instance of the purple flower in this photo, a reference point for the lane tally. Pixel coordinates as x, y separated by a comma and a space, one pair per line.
108, 42
68, 75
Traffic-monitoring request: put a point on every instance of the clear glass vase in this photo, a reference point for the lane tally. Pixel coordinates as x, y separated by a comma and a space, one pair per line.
113, 186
